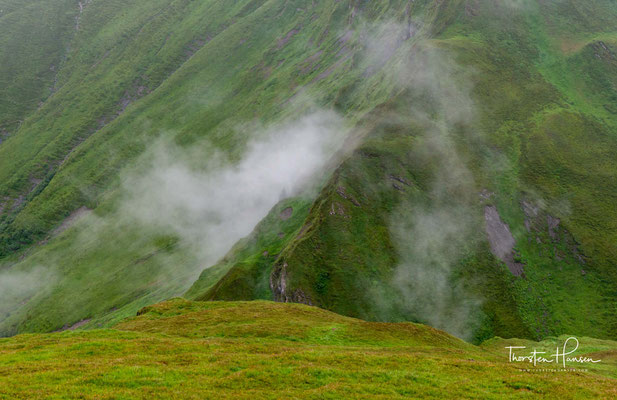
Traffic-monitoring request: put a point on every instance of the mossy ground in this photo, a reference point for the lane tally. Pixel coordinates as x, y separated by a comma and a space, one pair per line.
180, 349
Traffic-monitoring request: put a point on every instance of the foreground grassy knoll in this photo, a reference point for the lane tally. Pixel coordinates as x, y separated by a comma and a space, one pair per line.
182, 349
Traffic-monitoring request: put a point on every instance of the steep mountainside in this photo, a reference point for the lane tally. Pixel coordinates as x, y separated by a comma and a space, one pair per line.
538, 148
474, 190
34, 36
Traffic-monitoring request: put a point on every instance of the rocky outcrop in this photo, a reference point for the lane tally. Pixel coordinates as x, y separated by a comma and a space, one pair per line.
280, 290
501, 240
553, 224
286, 213
539, 223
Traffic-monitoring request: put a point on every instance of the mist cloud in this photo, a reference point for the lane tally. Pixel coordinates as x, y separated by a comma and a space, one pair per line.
432, 237
199, 199
210, 208
17, 287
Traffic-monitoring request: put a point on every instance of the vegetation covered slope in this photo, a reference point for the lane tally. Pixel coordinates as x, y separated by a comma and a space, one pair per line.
34, 35
458, 108
541, 152
181, 349
70, 153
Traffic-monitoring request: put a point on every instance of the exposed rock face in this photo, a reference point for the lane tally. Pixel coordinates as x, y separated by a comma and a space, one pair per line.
278, 285
531, 212
486, 195
553, 223
538, 222
343, 193
399, 180
286, 213
501, 240
337, 209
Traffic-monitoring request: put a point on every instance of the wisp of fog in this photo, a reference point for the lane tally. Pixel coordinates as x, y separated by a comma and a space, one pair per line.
431, 238
211, 208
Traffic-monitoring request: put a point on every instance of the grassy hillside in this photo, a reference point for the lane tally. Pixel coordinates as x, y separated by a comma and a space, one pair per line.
181, 349
455, 109
533, 114
202, 101
34, 36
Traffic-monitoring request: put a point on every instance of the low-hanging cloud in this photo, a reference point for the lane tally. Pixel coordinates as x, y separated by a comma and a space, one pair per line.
17, 287
200, 199
211, 207
432, 237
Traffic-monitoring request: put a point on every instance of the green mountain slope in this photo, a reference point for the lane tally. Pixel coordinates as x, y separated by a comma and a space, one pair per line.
261, 349
80, 166
475, 192
33, 39
542, 158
